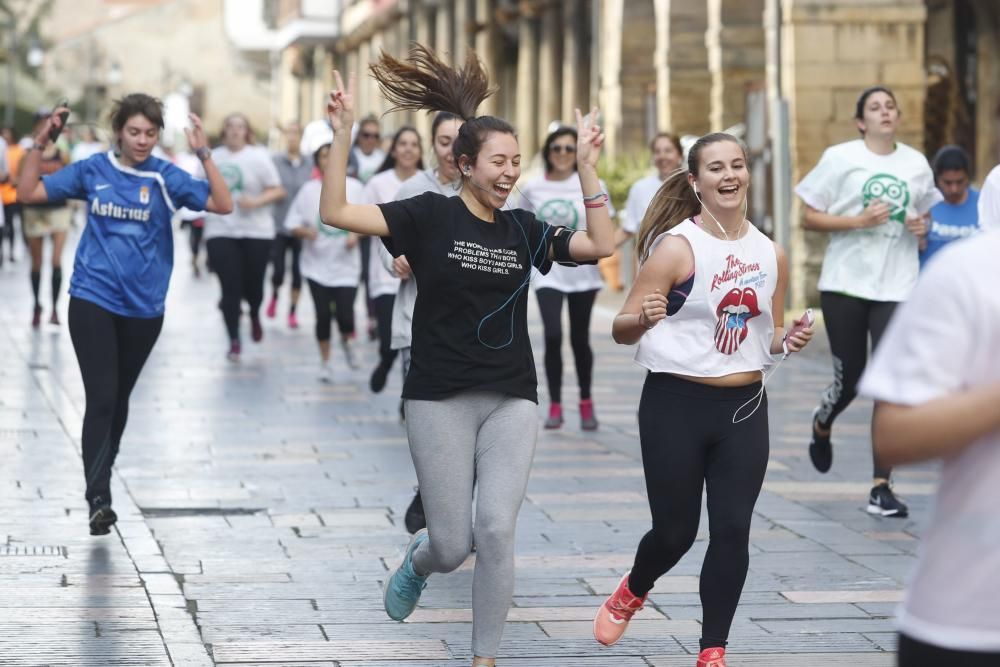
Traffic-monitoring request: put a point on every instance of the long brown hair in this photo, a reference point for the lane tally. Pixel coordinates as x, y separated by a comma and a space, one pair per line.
675, 201
425, 82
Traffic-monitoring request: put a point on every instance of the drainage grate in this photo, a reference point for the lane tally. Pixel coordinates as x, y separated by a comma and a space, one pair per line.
31, 550
171, 512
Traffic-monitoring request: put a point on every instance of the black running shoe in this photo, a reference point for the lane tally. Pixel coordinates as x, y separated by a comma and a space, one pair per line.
414, 518
102, 517
883, 502
820, 448
378, 379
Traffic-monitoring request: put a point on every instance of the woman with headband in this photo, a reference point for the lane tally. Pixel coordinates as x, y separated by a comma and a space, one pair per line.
707, 312
870, 194
471, 390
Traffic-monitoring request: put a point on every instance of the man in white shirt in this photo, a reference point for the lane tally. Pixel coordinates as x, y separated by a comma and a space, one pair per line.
936, 382
989, 201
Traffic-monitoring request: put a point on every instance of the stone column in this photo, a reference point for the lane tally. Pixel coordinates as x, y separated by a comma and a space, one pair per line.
609, 81
550, 70
830, 53
527, 120
638, 75
444, 30
485, 44
735, 42
683, 81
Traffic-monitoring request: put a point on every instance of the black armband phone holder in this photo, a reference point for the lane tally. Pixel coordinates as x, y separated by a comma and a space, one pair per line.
560, 248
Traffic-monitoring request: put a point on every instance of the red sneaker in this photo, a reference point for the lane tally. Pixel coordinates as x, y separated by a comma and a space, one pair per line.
272, 307
234, 351
36, 317
555, 419
588, 420
613, 616
712, 657
293, 322
54, 318
256, 330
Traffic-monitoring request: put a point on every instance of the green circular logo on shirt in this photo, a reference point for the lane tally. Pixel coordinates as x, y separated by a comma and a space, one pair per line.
890, 190
327, 230
559, 212
233, 176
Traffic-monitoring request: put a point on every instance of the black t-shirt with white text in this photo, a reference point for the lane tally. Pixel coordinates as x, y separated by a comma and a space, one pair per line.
470, 329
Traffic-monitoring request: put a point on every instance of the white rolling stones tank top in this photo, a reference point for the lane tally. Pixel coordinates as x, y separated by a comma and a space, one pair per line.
725, 324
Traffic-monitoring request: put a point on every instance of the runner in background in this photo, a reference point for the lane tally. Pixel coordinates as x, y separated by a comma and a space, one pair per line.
956, 217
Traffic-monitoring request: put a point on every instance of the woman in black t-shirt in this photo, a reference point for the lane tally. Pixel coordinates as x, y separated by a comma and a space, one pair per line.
471, 386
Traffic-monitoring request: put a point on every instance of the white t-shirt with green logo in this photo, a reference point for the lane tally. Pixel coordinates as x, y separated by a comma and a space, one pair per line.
247, 172
325, 259
560, 203
878, 263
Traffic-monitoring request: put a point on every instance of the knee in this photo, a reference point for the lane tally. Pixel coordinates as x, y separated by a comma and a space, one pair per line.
553, 342
495, 536
672, 540
450, 552
732, 534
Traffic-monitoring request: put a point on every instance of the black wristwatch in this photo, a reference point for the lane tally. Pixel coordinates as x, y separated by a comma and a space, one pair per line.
203, 153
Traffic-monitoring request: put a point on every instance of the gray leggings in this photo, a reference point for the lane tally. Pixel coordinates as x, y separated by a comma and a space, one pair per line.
490, 437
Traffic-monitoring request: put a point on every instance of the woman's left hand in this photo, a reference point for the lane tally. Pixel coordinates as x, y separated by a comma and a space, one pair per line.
589, 139
196, 133
797, 341
248, 203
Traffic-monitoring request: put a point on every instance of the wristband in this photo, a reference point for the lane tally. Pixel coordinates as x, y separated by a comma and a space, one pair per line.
594, 197
203, 153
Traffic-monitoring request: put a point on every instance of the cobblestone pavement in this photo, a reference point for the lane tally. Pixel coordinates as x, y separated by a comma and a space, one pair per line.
260, 511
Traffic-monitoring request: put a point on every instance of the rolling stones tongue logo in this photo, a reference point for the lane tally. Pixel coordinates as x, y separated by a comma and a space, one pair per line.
735, 309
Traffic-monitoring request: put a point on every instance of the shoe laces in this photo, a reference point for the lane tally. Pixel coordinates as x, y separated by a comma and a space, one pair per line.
410, 584
622, 606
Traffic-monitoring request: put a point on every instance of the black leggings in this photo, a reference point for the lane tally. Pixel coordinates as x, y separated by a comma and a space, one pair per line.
282, 244
913, 653
196, 231
688, 441
7, 232
849, 321
240, 265
331, 300
111, 350
580, 306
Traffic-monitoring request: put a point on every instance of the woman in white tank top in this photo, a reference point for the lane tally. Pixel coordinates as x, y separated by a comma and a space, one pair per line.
707, 310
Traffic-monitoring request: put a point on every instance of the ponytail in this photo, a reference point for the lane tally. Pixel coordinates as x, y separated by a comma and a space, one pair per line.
672, 204
425, 82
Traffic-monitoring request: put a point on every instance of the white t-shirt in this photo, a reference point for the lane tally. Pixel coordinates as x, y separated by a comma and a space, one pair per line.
325, 259
381, 188
247, 172
989, 201
561, 203
85, 149
640, 195
368, 164
944, 340
878, 263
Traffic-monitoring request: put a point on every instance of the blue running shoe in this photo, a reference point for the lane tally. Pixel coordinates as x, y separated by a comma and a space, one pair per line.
404, 586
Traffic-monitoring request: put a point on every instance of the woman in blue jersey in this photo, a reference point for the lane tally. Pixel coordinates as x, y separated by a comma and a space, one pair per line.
122, 266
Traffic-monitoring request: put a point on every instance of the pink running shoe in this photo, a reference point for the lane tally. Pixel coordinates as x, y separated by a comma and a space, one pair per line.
272, 307
588, 420
555, 419
293, 322
234, 351
712, 657
613, 616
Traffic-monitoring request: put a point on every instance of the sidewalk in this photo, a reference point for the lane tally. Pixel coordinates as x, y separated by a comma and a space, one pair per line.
260, 511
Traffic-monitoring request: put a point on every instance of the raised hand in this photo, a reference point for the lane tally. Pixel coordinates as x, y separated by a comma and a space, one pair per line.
196, 133
590, 138
340, 106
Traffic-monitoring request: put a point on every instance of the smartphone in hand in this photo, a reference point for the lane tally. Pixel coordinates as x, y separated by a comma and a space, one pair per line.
55, 131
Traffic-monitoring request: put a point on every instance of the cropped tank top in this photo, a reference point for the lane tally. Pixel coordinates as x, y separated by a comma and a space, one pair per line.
725, 324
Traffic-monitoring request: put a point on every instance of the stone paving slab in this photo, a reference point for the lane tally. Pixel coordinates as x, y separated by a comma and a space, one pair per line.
260, 512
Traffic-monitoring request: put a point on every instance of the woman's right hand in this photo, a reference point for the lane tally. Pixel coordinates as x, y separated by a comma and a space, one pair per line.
876, 213
340, 107
653, 309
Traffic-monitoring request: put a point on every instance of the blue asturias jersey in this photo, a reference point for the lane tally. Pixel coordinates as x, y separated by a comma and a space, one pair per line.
126, 253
